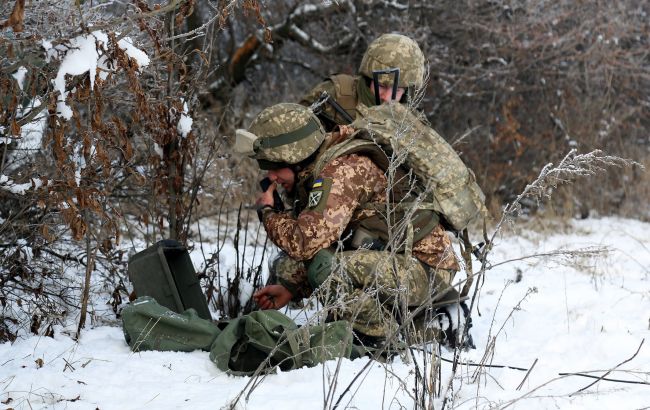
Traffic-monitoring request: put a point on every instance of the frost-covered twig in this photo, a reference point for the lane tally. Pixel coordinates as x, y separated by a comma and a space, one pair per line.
572, 166
569, 254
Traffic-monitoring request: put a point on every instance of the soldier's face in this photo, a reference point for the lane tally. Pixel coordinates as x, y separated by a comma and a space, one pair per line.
385, 92
283, 176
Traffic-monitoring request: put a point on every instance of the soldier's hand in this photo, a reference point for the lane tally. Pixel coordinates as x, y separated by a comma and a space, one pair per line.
272, 297
266, 197
346, 131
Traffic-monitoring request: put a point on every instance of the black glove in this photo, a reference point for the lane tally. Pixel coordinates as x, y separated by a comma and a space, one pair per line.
450, 319
278, 205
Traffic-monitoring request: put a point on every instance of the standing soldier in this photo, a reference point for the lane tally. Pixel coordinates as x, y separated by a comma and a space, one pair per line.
392, 69
339, 189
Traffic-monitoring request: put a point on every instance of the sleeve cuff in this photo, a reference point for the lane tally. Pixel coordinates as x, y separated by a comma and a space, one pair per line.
263, 211
295, 295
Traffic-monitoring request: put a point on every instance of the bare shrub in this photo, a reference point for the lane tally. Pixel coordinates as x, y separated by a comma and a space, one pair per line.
108, 150
229, 289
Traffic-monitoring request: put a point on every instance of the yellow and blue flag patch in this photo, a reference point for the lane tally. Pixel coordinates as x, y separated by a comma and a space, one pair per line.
320, 189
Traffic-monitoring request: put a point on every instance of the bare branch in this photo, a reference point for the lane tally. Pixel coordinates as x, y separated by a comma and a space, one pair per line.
611, 370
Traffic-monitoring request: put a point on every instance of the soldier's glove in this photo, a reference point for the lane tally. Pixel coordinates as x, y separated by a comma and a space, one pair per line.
454, 322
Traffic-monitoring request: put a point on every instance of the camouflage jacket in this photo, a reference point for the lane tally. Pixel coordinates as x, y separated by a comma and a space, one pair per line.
348, 91
334, 201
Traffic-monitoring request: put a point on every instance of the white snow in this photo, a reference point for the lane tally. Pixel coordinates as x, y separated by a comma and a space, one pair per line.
140, 56
246, 290
574, 314
185, 122
20, 189
47, 45
19, 75
80, 162
31, 133
81, 56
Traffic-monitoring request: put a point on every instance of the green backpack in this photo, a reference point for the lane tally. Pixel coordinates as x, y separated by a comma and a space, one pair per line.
266, 339
455, 195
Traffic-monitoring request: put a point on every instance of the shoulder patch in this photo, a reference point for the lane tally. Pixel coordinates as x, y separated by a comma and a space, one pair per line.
320, 190
314, 198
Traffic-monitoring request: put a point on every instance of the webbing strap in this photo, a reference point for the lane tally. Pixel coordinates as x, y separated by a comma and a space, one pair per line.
350, 146
432, 220
288, 138
401, 206
467, 255
420, 224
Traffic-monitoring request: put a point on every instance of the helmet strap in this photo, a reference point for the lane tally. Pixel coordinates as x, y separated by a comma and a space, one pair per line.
408, 92
276, 141
375, 78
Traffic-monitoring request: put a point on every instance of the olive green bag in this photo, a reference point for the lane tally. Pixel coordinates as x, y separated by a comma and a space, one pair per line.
262, 339
150, 326
268, 339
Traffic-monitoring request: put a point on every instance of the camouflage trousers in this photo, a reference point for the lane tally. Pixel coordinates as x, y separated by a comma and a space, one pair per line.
378, 291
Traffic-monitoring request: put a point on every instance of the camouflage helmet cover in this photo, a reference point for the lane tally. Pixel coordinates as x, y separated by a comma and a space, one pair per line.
286, 133
394, 51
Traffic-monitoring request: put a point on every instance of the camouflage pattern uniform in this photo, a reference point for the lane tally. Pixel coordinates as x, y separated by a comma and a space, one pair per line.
371, 289
345, 185
387, 51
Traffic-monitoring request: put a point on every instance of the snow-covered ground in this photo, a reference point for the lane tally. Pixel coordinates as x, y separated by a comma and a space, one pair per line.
585, 314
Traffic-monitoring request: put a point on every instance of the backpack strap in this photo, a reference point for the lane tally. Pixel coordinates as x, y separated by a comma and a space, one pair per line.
346, 91
351, 146
424, 219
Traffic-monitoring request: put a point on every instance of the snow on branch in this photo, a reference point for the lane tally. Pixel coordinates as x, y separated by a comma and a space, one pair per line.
82, 55
312, 12
19, 189
310, 42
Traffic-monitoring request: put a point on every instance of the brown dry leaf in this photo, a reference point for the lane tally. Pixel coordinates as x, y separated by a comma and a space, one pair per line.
45, 232
16, 18
39, 362
96, 120
128, 150
15, 128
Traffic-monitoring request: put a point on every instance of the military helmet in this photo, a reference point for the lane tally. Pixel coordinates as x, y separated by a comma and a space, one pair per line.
284, 134
390, 51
